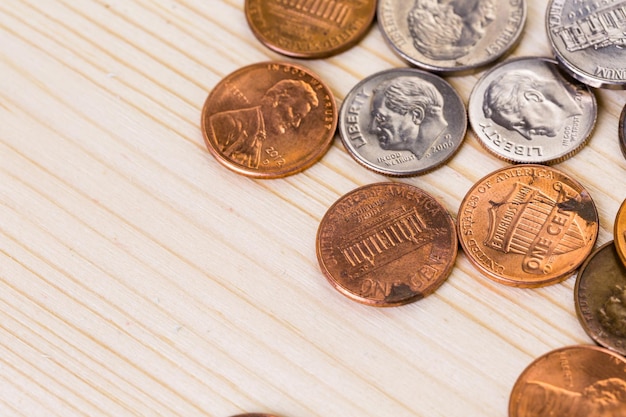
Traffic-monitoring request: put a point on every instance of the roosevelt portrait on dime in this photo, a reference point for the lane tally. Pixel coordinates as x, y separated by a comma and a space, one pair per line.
407, 114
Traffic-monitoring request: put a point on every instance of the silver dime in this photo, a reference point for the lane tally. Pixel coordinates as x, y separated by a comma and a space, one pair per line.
452, 35
588, 39
402, 122
526, 111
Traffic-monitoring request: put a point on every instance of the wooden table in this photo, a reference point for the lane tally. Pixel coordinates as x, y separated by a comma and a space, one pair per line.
141, 277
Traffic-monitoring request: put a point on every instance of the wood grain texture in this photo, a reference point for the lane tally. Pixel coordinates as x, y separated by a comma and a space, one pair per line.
140, 277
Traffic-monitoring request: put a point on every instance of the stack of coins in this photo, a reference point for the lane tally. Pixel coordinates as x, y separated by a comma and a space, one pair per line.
527, 225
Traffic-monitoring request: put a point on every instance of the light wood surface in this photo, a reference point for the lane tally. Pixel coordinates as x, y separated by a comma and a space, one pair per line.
141, 277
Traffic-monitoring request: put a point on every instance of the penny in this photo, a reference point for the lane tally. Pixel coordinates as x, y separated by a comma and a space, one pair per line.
619, 232
588, 37
386, 244
527, 225
573, 381
451, 36
526, 111
402, 122
600, 298
622, 131
309, 28
269, 120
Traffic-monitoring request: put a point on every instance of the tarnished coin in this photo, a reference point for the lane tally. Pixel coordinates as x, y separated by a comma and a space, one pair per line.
402, 122
619, 232
622, 131
525, 111
573, 381
588, 39
600, 298
386, 244
452, 35
527, 225
309, 28
269, 120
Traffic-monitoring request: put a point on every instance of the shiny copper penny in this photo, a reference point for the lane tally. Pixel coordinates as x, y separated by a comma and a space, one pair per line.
619, 232
269, 120
309, 28
600, 298
527, 225
386, 244
574, 381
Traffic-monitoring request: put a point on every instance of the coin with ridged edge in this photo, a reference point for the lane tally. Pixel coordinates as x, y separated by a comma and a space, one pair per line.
453, 36
588, 38
525, 110
527, 225
269, 120
309, 28
386, 244
572, 381
402, 122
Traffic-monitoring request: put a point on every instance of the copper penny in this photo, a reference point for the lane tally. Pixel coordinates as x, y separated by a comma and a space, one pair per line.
619, 232
600, 298
527, 225
573, 381
386, 244
269, 120
309, 28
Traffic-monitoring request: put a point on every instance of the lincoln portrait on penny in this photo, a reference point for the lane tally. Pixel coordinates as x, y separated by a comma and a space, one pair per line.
240, 133
529, 103
407, 114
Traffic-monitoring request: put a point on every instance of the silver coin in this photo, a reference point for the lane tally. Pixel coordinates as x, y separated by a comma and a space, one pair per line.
526, 111
600, 298
588, 39
402, 122
451, 35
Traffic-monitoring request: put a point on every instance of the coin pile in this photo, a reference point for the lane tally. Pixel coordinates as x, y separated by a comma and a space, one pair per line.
527, 225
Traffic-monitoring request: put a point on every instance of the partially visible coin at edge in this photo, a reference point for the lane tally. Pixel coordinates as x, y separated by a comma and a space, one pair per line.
402, 122
527, 225
452, 36
600, 298
573, 381
587, 37
526, 111
309, 28
622, 131
269, 120
254, 415
386, 244
619, 232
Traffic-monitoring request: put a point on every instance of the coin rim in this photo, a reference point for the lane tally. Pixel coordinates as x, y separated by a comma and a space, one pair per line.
510, 281
322, 147
574, 71
381, 303
550, 161
583, 322
529, 367
381, 170
352, 41
460, 70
